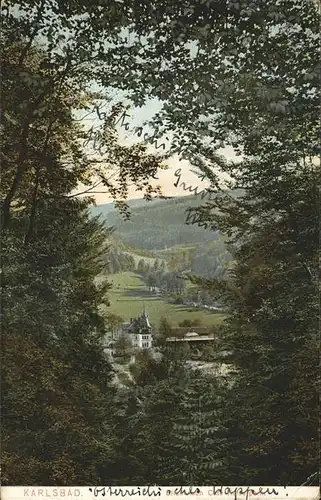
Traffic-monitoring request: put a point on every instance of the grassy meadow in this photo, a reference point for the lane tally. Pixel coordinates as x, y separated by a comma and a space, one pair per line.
129, 295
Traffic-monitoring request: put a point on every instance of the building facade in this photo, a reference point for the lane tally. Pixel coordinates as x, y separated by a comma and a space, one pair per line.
139, 331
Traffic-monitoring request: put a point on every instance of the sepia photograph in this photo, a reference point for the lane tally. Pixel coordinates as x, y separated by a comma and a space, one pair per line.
160, 245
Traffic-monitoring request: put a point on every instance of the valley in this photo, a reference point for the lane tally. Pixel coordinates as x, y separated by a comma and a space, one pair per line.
150, 254
129, 295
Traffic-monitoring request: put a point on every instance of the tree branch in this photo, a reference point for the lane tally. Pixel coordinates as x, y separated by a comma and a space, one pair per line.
33, 35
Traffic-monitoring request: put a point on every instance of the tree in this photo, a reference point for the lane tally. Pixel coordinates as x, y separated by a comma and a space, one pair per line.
188, 323
151, 281
272, 326
154, 424
154, 432
181, 285
159, 279
46, 91
265, 106
165, 327
56, 379
147, 267
208, 353
140, 266
114, 322
127, 467
242, 84
52, 252
146, 369
156, 265
243, 74
164, 331
123, 347
199, 433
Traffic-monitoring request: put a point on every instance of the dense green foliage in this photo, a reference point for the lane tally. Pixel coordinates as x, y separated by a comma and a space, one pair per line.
273, 333
56, 392
58, 403
53, 364
243, 74
273, 238
211, 260
249, 78
116, 261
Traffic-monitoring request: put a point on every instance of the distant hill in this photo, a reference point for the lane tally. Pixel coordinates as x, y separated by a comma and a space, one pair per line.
158, 224
102, 209
108, 207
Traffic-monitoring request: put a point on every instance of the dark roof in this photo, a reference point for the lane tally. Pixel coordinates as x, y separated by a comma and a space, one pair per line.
198, 338
140, 323
200, 330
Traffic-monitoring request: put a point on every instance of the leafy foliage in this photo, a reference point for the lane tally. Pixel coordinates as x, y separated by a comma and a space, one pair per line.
243, 74
56, 381
57, 391
123, 348
265, 105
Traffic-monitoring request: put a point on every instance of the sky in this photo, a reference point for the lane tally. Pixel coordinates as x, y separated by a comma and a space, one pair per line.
167, 178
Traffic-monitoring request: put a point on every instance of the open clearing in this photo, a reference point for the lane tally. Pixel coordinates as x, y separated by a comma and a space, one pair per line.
129, 295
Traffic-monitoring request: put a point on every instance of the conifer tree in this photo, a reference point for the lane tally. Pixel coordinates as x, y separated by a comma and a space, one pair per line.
199, 434
165, 327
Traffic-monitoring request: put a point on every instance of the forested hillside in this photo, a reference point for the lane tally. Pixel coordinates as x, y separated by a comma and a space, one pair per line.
104, 209
158, 224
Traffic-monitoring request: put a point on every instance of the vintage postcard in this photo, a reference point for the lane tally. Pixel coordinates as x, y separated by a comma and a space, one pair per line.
159, 241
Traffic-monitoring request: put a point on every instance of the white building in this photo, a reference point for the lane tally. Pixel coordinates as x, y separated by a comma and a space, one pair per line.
141, 341
139, 331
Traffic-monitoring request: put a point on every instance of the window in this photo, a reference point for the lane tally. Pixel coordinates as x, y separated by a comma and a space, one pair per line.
145, 344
